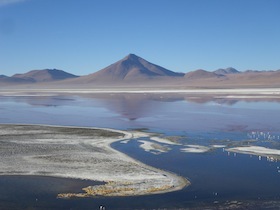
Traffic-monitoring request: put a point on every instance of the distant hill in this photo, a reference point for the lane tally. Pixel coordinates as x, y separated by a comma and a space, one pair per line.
14, 81
256, 79
129, 69
46, 75
201, 74
228, 70
134, 71
261, 71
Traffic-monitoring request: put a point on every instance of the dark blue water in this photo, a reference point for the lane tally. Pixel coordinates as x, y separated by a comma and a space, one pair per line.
215, 176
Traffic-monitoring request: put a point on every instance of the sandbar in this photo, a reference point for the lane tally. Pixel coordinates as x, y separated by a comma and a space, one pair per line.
195, 149
153, 147
256, 150
82, 153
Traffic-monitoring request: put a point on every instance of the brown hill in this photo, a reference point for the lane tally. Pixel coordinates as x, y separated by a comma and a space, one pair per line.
261, 79
128, 70
201, 74
46, 75
14, 81
255, 79
228, 70
133, 71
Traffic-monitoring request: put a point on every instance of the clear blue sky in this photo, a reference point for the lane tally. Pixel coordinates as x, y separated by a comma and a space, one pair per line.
84, 36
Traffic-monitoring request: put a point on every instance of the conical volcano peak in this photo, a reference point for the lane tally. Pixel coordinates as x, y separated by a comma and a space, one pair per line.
132, 57
130, 69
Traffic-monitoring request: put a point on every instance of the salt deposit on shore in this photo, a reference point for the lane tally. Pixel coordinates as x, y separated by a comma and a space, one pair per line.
195, 149
153, 147
256, 150
234, 92
163, 140
218, 146
81, 153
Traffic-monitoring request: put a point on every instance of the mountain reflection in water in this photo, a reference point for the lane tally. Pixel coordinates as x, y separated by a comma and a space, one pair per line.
173, 112
196, 119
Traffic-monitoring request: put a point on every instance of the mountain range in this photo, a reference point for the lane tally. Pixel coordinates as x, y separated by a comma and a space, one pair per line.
36, 76
134, 71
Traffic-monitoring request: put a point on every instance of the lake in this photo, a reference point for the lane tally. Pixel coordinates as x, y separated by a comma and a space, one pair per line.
218, 178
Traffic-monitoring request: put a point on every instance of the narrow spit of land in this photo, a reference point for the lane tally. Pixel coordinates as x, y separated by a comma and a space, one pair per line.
82, 153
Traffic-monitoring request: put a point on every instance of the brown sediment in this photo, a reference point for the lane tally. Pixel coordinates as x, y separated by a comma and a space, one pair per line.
121, 189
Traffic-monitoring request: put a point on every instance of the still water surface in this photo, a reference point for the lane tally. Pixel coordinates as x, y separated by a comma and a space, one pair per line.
216, 176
